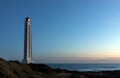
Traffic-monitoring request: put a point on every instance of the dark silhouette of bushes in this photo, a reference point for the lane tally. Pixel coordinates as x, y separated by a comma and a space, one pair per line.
41, 68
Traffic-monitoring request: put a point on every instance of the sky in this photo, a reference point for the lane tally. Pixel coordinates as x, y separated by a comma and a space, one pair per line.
63, 31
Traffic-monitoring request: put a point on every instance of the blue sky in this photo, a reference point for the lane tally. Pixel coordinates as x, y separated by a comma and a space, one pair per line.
68, 31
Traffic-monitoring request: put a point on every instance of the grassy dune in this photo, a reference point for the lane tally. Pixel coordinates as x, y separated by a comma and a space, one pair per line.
15, 69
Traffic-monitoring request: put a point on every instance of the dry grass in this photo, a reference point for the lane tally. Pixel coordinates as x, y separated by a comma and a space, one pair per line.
15, 69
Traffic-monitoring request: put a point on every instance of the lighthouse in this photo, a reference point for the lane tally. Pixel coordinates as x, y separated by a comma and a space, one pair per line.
27, 42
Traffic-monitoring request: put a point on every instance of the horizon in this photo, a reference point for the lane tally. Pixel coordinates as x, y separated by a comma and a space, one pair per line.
63, 31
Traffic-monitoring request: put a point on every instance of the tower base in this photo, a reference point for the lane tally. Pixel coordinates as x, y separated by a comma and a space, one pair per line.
27, 61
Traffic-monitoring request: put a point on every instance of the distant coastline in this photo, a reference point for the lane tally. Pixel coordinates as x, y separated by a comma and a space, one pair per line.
86, 67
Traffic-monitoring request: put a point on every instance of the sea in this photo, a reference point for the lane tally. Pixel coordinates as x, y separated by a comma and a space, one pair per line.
85, 67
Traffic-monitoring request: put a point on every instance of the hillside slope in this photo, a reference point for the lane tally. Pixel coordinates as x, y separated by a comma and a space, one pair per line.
15, 69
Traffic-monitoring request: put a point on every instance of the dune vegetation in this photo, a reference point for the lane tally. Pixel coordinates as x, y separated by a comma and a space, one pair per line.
15, 69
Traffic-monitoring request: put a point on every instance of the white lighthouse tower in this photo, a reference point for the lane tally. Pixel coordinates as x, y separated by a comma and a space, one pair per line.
27, 42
